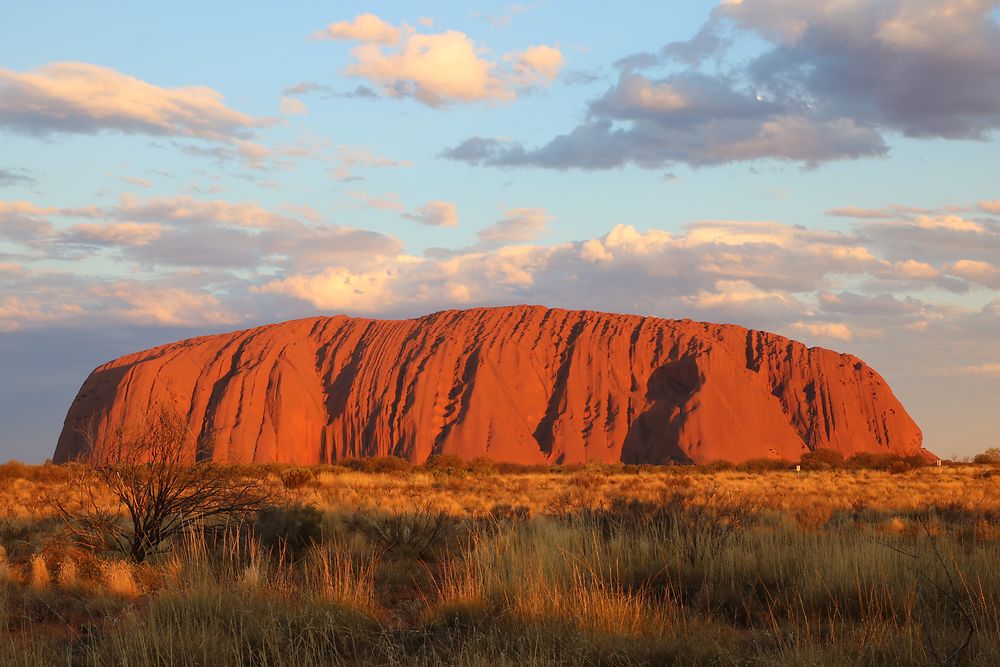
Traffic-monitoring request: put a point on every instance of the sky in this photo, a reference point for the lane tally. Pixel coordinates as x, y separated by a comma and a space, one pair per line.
827, 171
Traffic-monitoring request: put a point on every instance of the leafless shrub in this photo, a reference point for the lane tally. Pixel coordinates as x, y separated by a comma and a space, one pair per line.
157, 489
418, 534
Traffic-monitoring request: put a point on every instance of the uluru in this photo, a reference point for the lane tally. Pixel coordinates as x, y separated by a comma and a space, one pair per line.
523, 384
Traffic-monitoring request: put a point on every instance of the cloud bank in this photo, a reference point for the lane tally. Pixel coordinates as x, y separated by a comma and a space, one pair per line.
831, 82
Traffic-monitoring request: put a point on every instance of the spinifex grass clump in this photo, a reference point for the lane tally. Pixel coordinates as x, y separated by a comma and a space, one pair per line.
594, 566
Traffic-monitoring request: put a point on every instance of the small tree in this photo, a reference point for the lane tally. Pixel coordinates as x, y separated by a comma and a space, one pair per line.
991, 455
157, 486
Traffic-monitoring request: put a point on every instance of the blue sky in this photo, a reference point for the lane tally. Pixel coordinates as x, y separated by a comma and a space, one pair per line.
823, 171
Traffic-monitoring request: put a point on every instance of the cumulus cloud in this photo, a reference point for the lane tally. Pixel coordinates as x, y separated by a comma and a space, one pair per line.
439, 68
976, 271
145, 302
112, 234
517, 226
364, 28
212, 263
879, 61
435, 214
186, 209
17, 312
992, 206
250, 263
339, 288
81, 98
183, 231
40, 299
536, 64
835, 330
935, 236
823, 82
713, 268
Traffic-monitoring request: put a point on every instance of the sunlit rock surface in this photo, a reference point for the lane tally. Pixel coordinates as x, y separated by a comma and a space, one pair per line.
523, 384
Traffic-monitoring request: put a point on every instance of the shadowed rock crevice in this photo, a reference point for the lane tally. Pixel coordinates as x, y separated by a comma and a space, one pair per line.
524, 384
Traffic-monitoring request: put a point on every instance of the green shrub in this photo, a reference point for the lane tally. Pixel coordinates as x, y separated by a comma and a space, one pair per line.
717, 466
445, 462
765, 465
822, 459
991, 455
386, 464
289, 528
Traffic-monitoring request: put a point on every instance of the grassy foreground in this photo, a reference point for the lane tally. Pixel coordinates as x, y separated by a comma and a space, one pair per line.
481, 566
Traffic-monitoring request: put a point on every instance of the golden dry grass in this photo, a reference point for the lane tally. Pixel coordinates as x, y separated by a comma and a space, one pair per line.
468, 565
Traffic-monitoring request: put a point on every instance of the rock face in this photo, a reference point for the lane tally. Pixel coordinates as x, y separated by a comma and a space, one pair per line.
524, 384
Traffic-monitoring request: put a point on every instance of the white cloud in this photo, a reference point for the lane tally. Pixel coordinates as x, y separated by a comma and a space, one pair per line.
536, 65
339, 289
436, 214
80, 98
517, 226
835, 330
184, 231
440, 68
736, 293
913, 269
806, 82
147, 303
977, 271
364, 28
992, 206
988, 369
113, 234
954, 223
186, 209
17, 312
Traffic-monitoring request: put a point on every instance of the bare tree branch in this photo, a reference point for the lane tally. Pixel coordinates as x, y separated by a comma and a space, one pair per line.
159, 487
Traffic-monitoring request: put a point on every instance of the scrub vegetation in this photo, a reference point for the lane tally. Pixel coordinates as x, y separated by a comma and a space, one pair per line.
858, 562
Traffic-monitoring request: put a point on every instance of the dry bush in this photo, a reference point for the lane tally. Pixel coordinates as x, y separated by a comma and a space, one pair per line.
765, 465
156, 486
990, 456
822, 459
289, 529
631, 576
446, 462
385, 464
706, 526
419, 534
296, 478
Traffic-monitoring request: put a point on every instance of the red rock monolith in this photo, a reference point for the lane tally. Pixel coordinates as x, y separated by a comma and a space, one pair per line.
523, 384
